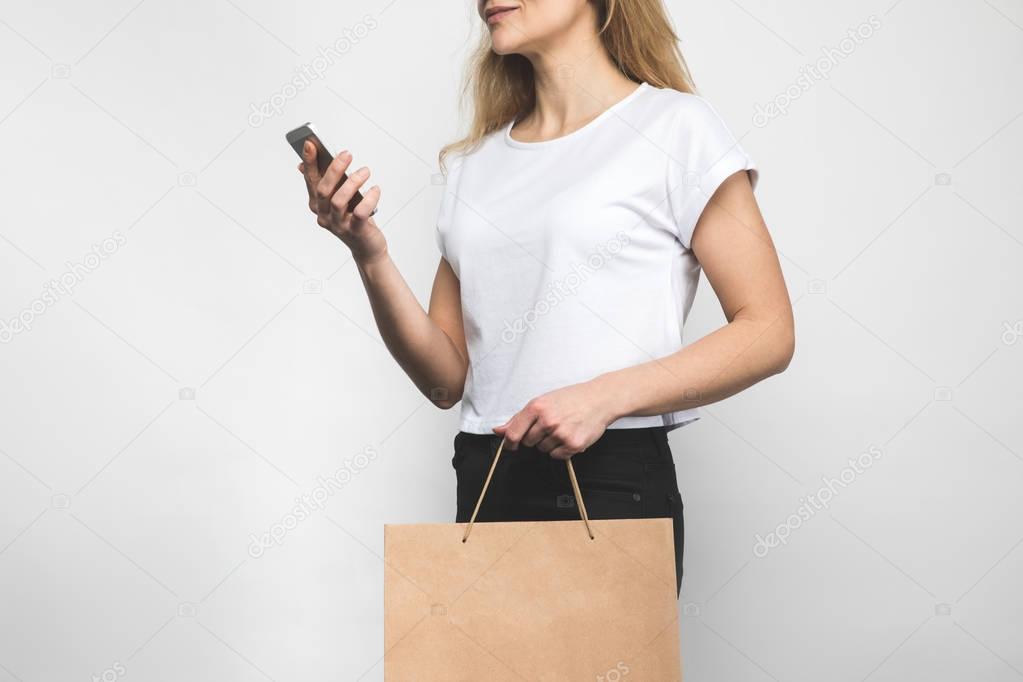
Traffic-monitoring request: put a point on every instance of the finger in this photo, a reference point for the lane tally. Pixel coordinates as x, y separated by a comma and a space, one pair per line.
536, 433
548, 444
335, 171
368, 204
329, 183
562, 452
314, 203
348, 189
309, 165
516, 428
311, 174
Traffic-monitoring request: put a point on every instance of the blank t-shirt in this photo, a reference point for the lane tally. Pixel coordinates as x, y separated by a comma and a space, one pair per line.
573, 254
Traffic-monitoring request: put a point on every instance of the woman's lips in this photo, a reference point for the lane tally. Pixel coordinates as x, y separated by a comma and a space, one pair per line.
499, 15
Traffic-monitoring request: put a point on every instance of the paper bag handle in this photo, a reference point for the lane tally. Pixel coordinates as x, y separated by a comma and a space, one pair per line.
486, 484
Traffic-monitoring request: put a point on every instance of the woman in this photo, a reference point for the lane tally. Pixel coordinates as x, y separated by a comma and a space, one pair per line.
591, 191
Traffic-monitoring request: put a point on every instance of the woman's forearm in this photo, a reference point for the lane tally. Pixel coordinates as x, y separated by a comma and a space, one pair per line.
721, 364
418, 344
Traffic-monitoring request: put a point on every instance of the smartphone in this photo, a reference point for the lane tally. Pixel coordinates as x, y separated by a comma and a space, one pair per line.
297, 137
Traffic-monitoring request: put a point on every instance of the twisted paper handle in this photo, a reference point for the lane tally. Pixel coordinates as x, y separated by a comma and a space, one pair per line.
490, 474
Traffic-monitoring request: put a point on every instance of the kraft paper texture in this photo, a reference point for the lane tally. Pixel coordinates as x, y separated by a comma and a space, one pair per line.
537, 601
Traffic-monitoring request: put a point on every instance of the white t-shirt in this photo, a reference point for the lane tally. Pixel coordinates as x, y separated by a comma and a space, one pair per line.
573, 254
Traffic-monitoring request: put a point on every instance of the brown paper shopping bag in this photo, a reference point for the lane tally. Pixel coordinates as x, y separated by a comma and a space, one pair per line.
543, 601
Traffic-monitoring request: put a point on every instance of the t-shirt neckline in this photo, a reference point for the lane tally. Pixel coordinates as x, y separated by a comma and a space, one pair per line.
512, 142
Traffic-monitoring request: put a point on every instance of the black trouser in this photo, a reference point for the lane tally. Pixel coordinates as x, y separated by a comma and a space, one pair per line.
626, 474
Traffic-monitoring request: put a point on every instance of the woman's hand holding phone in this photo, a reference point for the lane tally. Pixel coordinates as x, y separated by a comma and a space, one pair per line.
329, 195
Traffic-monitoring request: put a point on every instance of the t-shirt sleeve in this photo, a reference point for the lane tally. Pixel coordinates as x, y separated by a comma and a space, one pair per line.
447, 202
440, 237
702, 154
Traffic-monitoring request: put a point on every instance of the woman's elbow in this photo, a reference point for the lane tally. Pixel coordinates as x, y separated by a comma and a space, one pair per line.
445, 404
444, 398
784, 348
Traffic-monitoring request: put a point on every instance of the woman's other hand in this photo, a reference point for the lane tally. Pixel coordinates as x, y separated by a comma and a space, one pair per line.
329, 197
563, 422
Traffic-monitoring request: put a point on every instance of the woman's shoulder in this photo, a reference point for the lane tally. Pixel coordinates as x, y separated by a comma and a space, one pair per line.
684, 106
686, 116
462, 155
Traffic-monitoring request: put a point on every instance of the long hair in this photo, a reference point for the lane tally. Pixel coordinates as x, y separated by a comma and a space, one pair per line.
637, 34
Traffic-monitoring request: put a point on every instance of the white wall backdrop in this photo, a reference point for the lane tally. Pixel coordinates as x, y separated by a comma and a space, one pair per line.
185, 353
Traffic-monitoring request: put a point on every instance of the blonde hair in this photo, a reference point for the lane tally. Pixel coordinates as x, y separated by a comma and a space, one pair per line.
637, 35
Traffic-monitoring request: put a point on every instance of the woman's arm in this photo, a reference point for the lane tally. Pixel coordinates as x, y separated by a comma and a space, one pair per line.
737, 254
429, 346
735, 250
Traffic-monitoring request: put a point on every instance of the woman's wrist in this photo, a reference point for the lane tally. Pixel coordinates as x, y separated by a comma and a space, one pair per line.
612, 397
368, 265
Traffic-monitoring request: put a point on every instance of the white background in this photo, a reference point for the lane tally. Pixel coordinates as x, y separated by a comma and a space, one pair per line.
208, 370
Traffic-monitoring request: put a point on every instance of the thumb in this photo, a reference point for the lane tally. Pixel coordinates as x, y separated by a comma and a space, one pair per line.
499, 430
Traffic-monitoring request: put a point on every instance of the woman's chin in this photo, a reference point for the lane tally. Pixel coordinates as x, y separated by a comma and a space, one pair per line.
504, 46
